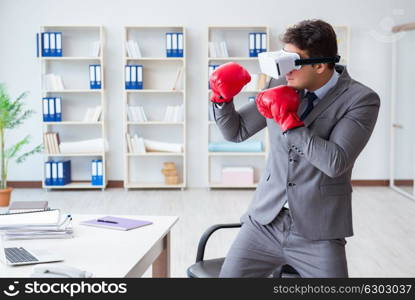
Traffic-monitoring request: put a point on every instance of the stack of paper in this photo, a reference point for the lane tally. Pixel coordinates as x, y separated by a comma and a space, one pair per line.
218, 49
174, 113
53, 82
136, 114
93, 114
36, 225
133, 50
85, 146
157, 146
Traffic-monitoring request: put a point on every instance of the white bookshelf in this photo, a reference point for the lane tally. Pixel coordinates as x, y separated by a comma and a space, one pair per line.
343, 42
73, 67
143, 170
236, 38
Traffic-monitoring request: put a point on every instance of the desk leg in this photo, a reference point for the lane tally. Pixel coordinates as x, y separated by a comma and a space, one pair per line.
161, 266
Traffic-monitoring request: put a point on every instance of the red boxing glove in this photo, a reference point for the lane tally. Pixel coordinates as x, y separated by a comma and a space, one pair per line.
227, 81
280, 103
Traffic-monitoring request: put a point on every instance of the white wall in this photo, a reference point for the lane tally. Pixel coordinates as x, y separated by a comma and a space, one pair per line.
369, 58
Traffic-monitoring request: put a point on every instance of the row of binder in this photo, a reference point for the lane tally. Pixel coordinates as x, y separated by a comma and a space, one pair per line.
134, 77
57, 172
97, 172
95, 76
174, 44
52, 109
50, 44
257, 43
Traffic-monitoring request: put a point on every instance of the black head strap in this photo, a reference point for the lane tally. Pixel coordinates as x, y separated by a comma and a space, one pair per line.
317, 60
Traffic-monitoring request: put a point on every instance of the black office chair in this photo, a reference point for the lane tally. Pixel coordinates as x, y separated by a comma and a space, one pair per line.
210, 268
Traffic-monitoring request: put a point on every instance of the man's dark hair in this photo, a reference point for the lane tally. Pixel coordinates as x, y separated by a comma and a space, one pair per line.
316, 37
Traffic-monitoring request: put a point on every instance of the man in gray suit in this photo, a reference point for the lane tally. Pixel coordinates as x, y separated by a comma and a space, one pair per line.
301, 211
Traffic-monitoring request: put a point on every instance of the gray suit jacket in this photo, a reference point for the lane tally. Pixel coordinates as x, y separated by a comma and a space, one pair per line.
310, 166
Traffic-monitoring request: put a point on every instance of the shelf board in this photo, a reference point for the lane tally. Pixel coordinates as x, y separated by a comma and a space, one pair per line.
155, 58
155, 123
71, 58
223, 186
240, 58
75, 154
73, 123
156, 154
153, 185
75, 185
154, 91
74, 91
237, 153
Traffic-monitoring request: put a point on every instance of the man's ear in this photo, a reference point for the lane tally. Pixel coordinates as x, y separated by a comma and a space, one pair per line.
320, 68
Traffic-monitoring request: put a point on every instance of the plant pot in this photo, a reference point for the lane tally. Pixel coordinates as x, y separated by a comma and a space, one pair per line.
5, 196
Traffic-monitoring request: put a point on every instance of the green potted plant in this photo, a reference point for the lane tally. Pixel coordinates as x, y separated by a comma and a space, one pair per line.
12, 114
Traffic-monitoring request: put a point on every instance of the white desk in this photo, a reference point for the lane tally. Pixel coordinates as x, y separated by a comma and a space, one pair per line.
108, 252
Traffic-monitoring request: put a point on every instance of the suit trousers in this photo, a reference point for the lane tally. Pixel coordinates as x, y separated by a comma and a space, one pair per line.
260, 250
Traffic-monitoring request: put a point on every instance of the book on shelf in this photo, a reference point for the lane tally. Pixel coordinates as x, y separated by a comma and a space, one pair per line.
135, 144
93, 114
96, 49
174, 113
218, 49
51, 142
53, 82
178, 81
133, 50
136, 114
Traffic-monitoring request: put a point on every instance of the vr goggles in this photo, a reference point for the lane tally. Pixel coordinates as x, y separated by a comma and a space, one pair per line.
277, 64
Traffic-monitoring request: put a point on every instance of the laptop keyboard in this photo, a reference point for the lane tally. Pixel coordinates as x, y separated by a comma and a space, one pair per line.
19, 255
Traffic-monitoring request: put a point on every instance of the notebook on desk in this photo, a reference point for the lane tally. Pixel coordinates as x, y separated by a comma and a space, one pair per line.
116, 223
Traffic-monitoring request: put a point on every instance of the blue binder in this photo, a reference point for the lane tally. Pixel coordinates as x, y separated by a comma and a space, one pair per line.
169, 44
263, 42
60, 179
54, 166
95, 76
98, 76
58, 109
45, 44
37, 44
52, 43
48, 173
139, 69
51, 112
100, 172
45, 109
175, 44
58, 36
127, 77
251, 44
94, 172
180, 44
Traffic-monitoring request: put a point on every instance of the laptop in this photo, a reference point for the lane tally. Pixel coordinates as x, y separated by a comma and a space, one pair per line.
14, 256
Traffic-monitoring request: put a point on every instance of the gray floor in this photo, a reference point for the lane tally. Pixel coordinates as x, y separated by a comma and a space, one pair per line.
384, 222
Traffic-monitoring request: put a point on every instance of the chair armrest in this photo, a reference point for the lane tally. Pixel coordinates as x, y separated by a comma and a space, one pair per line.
206, 235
